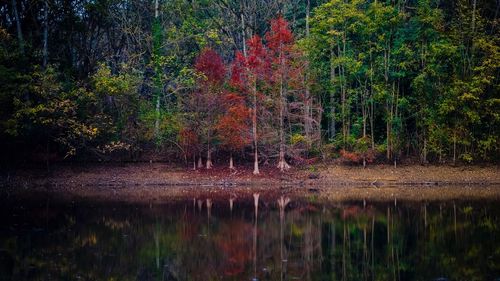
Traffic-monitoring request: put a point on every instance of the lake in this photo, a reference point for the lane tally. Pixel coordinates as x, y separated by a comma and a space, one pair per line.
196, 239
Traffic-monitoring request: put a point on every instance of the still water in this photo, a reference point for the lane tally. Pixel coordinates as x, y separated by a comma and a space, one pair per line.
206, 240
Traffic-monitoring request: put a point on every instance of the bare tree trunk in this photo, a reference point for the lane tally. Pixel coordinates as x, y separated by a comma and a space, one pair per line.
157, 109
345, 124
254, 129
331, 130
282, 165
194, 162
45, 52
454, 147
364, 109
47, 155
157, 116
473, 35
388, 109
307, 102
209, 154
231, 165
200, 162
388, 132
18, 26
243, 35
342, 99
425, 149
372, 106
474, 4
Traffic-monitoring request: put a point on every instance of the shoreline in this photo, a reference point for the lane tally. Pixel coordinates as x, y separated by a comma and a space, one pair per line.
333, 194
158, 182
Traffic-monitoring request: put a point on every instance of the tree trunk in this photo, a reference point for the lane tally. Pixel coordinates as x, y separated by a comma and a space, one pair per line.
364, 109
307, 102
372, 106
342, 99
194, 162
157, 109
473, 24
388, 132
387, 102
200, 162
243, 35
18, 26
282, 165
231, 165
331, 128
45, 52
345, 124
454, 147
47, 155
425, 149
157, 116
209, 157
254, 129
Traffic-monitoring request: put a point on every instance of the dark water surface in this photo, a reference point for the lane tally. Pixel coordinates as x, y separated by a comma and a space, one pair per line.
308, 241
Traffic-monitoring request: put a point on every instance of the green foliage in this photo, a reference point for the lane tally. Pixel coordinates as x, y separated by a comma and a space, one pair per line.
49, 114
106, 84
400, 78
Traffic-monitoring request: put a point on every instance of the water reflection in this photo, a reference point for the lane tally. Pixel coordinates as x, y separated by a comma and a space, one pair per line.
251, 239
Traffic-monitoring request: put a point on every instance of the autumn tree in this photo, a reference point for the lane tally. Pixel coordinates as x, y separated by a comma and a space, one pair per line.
207, 99
232, 128
280, 43
249, 73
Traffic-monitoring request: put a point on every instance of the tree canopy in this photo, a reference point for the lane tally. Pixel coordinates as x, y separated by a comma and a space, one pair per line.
268, 82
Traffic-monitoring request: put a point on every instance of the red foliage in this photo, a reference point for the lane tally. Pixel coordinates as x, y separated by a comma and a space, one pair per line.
235, 245
211, 65
280, 37
238, 79
356, 157
286, 61
189, 141
232, 127
301, 161
254, 67
257, 56
350, 156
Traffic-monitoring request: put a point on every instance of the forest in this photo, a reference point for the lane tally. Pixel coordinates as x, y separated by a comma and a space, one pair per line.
264, 82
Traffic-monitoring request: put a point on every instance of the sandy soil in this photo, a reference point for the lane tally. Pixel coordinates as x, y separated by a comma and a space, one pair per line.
160, 182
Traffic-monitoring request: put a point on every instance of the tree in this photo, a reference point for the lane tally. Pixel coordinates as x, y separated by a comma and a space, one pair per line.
51, 116
209, 95
232, 128
249, 73
189, 141
280, 43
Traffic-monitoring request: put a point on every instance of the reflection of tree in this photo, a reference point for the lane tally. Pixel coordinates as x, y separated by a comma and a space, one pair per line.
407, 242
235, 246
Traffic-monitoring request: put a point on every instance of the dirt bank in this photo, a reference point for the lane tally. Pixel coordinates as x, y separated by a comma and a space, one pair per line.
161, 182
160, 174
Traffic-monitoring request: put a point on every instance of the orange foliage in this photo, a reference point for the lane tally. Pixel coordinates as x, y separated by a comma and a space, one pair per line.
189, 141
233, 128
236, 245
357, 157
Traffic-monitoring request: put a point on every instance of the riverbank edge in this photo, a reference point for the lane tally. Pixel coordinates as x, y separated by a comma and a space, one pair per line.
222, 195
157, 182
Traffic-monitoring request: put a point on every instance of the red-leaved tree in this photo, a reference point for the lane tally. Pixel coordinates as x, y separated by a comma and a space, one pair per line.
280, 44
233, 129
248, 71
207, 99
189, 142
